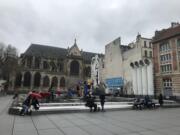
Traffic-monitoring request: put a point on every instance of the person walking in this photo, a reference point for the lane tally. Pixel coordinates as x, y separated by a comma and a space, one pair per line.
160, 98
102, 95
102, 100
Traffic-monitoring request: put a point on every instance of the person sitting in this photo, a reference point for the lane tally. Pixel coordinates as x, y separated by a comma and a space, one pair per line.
90, 102
26, 105
148, 103
35, 103
138, 103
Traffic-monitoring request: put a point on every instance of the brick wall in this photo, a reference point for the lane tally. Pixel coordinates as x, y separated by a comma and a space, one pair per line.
174, 54
156, 57
176, 84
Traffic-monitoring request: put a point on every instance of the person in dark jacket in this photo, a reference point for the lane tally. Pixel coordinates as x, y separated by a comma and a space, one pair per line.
101, 95
26, 105
102, 100
35, 103
160, 98
90, 102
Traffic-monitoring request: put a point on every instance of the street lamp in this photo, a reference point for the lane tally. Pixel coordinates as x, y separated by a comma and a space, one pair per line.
96, 67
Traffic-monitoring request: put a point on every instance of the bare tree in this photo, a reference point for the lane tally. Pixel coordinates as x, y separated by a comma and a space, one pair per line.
2, 47
9, 64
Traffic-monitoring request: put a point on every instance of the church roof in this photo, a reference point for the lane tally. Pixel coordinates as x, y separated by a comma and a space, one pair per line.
45, 51
87, 56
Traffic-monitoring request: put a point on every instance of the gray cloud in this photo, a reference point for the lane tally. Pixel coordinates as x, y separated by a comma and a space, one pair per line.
94, 23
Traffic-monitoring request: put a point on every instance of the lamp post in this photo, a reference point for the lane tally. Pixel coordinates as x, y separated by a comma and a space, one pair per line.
96, 67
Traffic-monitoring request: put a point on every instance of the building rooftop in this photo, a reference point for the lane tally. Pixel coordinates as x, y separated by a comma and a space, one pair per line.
125, 48
173, 31
45, 51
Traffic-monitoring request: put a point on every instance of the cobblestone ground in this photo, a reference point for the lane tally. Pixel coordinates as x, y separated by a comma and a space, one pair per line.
125, 122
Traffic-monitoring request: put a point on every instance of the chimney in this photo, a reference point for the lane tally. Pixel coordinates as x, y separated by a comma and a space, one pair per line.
174, 24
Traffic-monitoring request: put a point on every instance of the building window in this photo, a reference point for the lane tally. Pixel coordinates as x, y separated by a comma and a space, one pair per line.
27, 79
150, 54
29, 62
87, 71
46, 81
23, 63
74, 68
167, 82
145, 44
145, 53
60, 66
165, 58
37, 63
179, 55
62, 82
150, 45
18, 80
166, 68
53, 66
103, 65
178, 43
165, 47
45, 65
54, 82
37, 79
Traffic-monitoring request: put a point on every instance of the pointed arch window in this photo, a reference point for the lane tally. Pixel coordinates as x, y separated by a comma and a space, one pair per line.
46, 81
62, 82
74, 68
18, 80
37, 63
37, 79
27, 79
54, 82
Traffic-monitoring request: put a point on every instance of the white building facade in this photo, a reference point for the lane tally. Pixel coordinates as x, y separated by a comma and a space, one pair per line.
133, 63
142, 77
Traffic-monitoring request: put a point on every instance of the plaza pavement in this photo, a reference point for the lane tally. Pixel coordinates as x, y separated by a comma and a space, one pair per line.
124, 122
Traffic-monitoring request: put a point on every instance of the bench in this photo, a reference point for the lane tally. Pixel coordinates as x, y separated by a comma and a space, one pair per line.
141, 104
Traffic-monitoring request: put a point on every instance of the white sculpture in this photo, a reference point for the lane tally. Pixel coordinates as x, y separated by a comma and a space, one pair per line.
95, 70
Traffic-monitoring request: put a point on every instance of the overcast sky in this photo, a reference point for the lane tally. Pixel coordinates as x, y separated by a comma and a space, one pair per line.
94, 23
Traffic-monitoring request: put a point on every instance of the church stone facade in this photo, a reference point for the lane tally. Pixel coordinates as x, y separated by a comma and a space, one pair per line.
43, 67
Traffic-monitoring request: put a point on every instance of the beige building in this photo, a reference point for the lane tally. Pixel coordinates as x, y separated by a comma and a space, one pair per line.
129, 64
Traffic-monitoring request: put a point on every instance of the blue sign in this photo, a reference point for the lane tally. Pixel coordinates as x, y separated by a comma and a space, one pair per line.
115, 82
